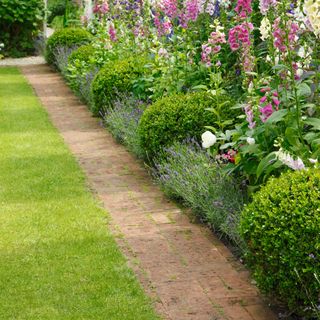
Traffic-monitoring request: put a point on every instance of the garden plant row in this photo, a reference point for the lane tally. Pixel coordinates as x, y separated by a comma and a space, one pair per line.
221, 100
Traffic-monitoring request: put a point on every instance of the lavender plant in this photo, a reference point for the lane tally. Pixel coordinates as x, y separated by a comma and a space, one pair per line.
61, 55
122, 121
186, 172
80, 80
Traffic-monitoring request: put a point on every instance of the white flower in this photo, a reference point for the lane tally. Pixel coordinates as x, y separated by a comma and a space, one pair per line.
287, 159
251, 140
208, 139
265, 29
301, 52
312, 10
313, 161
163, 53
225, 3
299, 72
250, 87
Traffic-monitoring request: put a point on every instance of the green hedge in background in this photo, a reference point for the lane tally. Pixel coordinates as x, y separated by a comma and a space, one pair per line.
20, 22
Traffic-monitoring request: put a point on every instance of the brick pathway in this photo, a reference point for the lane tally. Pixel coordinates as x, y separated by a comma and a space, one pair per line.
189, 273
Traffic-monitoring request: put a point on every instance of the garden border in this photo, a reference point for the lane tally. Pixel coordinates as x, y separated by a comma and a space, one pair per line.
188, 271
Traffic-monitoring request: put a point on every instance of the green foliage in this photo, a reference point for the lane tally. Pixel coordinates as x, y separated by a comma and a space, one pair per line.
56, 8
176, 117
281, 227
115, 77
63, 13
80, 62
20, 22
82, 54
68, 37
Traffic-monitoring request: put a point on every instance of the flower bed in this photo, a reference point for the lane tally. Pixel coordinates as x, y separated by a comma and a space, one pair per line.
256, 67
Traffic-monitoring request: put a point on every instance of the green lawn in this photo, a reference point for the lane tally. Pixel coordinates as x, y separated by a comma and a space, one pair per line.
57, 258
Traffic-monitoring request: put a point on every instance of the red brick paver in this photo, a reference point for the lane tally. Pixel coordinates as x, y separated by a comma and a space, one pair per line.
189, 272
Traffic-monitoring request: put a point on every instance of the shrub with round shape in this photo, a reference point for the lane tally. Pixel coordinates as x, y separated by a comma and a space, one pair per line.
82, 54
281, 227
68, 37
175, 118
81, 69
116, 76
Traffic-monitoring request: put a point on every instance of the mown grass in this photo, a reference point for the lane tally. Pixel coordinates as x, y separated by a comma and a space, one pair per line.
57, 258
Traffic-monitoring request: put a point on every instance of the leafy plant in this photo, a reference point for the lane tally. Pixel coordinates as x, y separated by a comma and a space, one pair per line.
115, 77
80, 61
56, 8
68, 37
176, 117
19, 24
281, 229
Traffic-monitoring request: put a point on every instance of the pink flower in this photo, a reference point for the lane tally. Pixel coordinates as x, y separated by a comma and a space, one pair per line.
158, 24
101, 8
266, 112
263, 99
240, 36
265, 5
230, 156
217, 37
280, 35
112, 34
216, 49
266, 89
167, 27
250, 116
170, 8
213, 46
243, 8
234, 46
207, 50
276, 102
192, 10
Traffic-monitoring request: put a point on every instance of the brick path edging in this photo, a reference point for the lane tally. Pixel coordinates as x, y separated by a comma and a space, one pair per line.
190, 274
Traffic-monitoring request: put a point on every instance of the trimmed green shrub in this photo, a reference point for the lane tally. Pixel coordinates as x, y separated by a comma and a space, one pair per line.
82, 54
81, 70
282, 230
116, 76
176, 117
20, 21
68, 37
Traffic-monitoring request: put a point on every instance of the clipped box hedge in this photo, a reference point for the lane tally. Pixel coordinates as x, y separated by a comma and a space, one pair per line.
282, 230
114, 78
175, 118
68, 38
